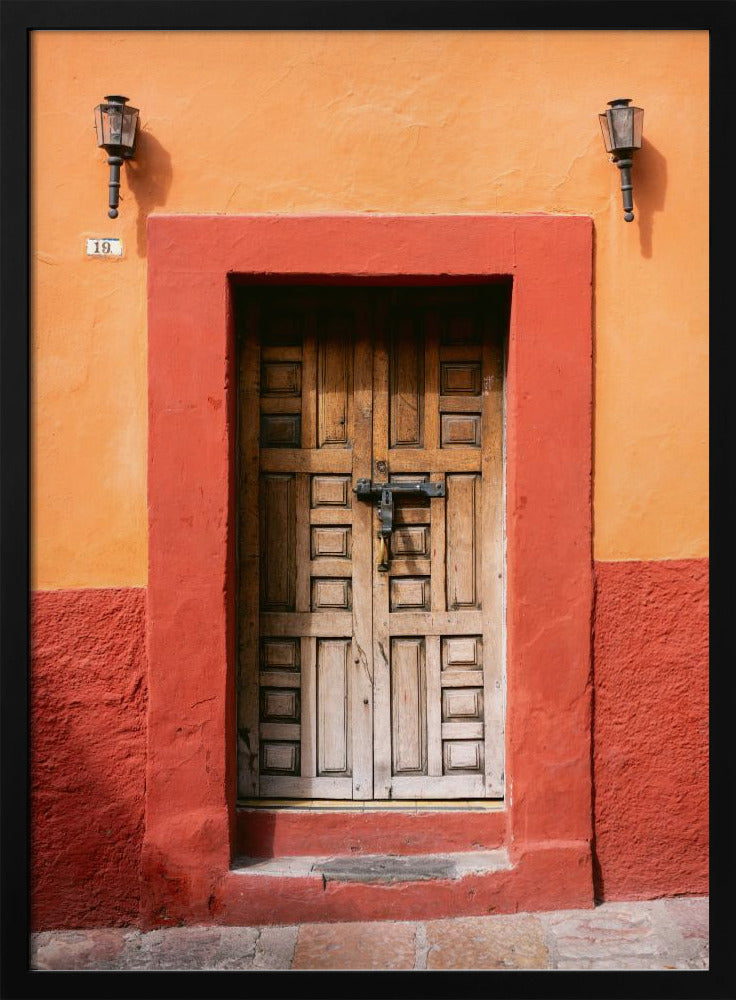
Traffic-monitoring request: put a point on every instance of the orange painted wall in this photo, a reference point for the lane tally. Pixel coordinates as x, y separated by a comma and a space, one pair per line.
396, 122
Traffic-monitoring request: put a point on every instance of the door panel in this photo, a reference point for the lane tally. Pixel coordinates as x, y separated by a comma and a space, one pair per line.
278, 532
355, 683
462, 542
335, 339
333, 703
408, 706
406, 402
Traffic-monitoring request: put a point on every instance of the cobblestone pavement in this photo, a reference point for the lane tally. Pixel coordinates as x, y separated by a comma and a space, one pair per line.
659, 934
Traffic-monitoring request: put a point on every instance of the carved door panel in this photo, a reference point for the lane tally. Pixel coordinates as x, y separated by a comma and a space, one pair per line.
355, 682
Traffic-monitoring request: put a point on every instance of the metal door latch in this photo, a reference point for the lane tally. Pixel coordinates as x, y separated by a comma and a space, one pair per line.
384, 493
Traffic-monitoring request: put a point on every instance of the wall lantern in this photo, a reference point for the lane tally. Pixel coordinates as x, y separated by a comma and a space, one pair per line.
116, 126
621, 128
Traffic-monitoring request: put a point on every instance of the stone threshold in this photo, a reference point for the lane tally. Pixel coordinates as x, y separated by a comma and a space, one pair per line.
410, 806
377, 868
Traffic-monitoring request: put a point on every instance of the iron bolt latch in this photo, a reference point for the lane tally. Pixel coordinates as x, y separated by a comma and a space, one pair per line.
384, 493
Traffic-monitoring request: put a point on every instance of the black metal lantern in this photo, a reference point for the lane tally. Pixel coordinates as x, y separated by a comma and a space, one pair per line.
116, 124
621, 127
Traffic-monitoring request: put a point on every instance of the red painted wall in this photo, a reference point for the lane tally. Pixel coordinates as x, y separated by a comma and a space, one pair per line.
88, 756
88, 741
273, 833
650, 728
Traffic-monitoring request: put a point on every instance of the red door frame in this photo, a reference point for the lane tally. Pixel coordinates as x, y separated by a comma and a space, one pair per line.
190, 795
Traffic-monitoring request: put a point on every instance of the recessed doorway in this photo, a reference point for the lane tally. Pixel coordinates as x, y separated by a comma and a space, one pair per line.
370, 494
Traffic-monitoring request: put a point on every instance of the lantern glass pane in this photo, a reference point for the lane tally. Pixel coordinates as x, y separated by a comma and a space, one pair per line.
99, 127
115, 124
638, 124
129, 123
603, 119
105, 125
622, 127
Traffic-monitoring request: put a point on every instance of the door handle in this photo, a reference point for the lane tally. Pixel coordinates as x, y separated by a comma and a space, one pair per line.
382, 554
384, 492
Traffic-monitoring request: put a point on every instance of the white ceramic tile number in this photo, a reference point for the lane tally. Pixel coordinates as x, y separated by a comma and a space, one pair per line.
104, 247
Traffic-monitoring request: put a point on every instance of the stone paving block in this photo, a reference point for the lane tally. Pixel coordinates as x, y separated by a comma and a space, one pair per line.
382, 945
623, 935
189, 948
702, 959
500, 942
236, 949
275, 948
74, 950
691, 914
619, 936
620, 965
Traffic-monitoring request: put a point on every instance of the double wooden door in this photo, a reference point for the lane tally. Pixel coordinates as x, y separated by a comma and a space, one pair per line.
357, 683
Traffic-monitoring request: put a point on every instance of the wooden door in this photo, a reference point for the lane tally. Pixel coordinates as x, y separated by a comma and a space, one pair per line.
355, 683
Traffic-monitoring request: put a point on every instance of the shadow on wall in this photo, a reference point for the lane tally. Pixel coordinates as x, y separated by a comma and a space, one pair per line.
650, 186
149, 178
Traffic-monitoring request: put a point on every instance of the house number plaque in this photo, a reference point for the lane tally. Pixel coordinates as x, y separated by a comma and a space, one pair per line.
104, 247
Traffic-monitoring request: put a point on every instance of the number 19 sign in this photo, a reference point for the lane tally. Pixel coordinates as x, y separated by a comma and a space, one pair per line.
100, 247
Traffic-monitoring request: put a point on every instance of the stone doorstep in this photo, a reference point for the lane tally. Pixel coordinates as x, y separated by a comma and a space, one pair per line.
377, 868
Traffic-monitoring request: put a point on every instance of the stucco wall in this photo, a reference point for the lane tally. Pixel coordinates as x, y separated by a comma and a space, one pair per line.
650, 729
88, 756
399, 122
